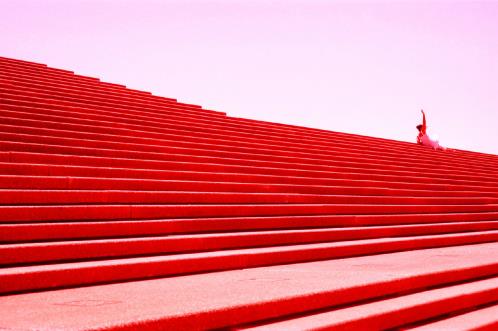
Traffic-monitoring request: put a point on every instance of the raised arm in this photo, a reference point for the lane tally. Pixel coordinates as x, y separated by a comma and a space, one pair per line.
424, 123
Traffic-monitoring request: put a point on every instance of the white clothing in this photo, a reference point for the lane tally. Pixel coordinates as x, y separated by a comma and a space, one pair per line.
427, 141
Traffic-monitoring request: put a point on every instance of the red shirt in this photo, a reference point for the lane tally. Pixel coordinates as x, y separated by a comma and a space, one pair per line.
422, 131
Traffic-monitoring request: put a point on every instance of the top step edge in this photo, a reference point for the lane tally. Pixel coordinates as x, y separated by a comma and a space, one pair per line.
27, 64
22, 62
52, 78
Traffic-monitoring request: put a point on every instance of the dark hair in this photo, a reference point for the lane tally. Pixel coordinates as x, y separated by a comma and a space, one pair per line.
419, 127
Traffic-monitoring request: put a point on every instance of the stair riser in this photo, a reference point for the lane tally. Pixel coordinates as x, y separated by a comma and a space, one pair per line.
51, 252
10, 77
35, 197
15, 98
219, 176
347, 156
93, 274
419, 313
298, 166
238, 123
56, 76
52, 103
92, 127
129, 113
51, 231
115, 212
16, 64
177, 142
394, 313
26, 66
47, 79
64, 81
95, 183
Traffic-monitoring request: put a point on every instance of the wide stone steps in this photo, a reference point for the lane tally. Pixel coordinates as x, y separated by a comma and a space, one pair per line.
35, 253
39, 231
393, 312
364, 161
49, 181
482, 319
63, 79
68, 92
253, 124
26, 128
75, 197
44, 73
16, 117
121, 210
37, 213
232, 298
24, 278
322, 132
228, 155
239, 121
109, 116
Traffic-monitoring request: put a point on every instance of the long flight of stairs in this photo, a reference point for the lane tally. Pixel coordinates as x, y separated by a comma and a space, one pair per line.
121, 210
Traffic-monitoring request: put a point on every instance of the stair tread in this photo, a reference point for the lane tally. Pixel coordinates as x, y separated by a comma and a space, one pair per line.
240, 296
107, 196
213, 131
183, 243
393, 312
480, 319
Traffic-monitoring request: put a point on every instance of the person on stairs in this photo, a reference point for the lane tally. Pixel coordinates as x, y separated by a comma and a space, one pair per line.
424, 139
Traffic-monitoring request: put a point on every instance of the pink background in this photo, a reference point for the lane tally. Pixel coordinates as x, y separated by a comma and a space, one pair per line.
364, 67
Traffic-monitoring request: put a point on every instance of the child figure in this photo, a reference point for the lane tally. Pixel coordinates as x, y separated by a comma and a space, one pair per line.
424, 139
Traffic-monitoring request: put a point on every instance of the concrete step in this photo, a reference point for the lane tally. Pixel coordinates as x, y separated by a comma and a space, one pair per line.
58, 77
20, 117
218, 173
30, 278
197, 220
223, 146
42, 252
230, 298
82, 212
282, 127
393, 312
44, 72
29, 83
482, 319
102, 103
47, 180
239, 120
74, 197
212, 131
53, 77
113, 90
63, 230
226, 121
153, 114
20, 99
271, 159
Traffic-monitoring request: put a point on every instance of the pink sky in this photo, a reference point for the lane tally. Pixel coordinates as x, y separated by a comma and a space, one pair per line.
364, 67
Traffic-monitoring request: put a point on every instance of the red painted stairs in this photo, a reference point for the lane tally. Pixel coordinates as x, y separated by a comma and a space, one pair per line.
122, 210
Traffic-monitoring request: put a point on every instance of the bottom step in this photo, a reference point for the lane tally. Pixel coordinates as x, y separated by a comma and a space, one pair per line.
394, 312
478, 320
230, 298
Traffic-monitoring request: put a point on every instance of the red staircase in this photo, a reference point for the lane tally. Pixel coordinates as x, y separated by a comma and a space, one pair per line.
121, 210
